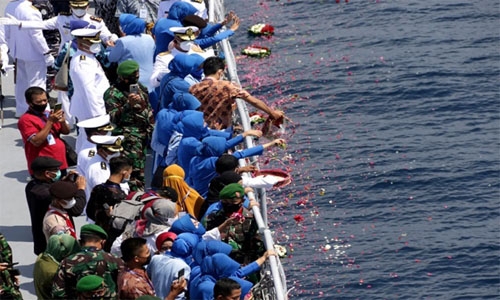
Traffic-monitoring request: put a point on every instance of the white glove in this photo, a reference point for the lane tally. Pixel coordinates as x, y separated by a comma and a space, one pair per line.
10, 20
4, 54
49, 60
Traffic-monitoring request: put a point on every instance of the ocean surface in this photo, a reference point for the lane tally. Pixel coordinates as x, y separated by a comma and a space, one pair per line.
393, 143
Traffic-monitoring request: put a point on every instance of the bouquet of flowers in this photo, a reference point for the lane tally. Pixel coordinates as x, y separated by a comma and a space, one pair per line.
261, 29
256, 51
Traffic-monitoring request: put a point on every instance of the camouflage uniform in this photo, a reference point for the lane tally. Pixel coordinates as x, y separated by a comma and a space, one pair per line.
136, 124
9, 288
244, 238
89, 261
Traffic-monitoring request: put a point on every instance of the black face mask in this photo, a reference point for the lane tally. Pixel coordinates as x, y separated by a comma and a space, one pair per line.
231, 208
38, 108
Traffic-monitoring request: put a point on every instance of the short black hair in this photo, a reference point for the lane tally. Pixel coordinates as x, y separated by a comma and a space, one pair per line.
213, 64
226, 162
225, 286
168, 193
130, 247
34, 90
118, 164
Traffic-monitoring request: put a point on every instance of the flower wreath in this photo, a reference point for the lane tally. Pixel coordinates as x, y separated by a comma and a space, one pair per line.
261, 29
256, 51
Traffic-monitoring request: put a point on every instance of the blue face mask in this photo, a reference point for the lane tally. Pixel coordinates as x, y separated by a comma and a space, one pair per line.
58, 176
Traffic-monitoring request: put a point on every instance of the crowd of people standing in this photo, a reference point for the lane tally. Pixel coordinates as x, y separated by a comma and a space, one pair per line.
137, 76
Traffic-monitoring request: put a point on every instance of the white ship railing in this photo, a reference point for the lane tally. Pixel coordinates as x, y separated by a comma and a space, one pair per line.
273, 283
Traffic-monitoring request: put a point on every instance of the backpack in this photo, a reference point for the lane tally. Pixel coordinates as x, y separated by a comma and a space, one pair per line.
130, 209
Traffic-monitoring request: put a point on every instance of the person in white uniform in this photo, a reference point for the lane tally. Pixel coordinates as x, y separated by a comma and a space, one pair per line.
89, 80
95, 126
98, 167
29, 49
62, 21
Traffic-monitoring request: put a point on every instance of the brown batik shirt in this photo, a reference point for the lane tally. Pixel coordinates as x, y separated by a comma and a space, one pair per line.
217, 98
134, 283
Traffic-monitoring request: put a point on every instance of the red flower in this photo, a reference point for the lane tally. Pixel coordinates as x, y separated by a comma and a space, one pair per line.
298, 218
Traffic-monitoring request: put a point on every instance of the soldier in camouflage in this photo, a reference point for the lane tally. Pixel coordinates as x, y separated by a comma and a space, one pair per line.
242, 233
131, 112
9, 287
106, 10
91, 260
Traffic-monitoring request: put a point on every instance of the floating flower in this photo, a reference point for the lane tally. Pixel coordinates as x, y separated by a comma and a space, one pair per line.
261, 29
298, 218
256, 51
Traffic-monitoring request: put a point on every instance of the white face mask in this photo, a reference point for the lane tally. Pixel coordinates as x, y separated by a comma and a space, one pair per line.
109, 157
69, 204
95, 48
186, 46
79, 12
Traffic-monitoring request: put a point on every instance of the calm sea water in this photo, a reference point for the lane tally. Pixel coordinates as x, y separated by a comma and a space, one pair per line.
394, 145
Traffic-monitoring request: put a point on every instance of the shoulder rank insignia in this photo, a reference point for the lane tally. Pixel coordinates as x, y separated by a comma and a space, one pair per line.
197, 1
103, 166
83, 57
164, 53
94, 18
91, 153
34, 7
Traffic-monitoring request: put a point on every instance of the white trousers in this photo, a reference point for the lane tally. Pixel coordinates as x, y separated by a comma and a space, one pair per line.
28, 74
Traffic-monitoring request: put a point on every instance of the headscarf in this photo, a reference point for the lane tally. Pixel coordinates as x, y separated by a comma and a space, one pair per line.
188, 199
193, 125
183, 101
219, 266
61, 246
208, 248
185, 224
131, 24
212, 146
155, 217
179, 10
184, 246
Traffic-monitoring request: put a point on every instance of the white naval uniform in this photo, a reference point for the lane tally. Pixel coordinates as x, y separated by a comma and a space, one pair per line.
97, 173
90, 83
62, 21
28, 48
88, 151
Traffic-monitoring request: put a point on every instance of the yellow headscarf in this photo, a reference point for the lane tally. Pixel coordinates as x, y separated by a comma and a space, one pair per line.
189, 200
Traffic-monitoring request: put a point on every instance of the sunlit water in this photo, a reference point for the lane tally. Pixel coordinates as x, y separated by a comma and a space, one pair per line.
394, 146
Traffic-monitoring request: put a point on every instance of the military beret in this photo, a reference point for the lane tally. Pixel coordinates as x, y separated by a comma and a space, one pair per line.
63, 190
194, 20
230, 190
93, 229
127, 68
45, 163
89, 283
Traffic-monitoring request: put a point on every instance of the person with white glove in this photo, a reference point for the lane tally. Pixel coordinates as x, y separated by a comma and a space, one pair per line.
4, 56
62, 21
29, 49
